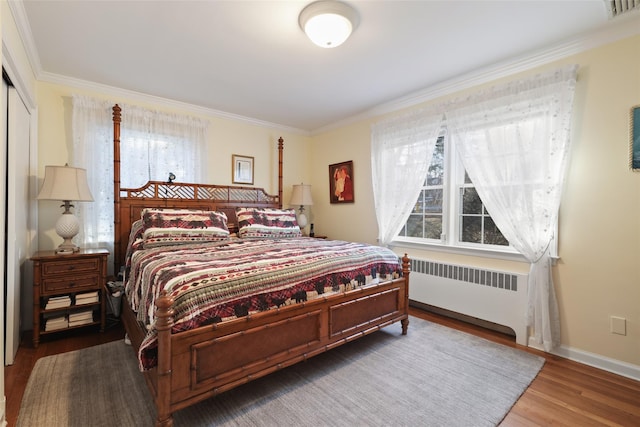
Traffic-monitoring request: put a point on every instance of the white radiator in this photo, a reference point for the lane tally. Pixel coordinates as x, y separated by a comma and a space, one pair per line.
618, 7
495, 296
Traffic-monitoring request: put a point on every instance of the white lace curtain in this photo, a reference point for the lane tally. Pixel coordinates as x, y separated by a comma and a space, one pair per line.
92, 134
162, 143
401, 151
514, 142
152, 144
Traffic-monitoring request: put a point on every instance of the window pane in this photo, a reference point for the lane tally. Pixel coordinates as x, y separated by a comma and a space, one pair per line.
435, 174
433, 201
433, 227
419, 206
493, 236
414, 226
471, 229
470, 201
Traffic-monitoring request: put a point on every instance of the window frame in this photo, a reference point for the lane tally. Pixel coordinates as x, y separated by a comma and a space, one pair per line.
451, 212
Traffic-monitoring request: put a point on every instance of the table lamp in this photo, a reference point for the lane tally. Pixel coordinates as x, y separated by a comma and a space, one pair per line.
66, 184
301, 196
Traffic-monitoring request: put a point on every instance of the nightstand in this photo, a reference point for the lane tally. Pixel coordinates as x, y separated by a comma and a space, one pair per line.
68, 291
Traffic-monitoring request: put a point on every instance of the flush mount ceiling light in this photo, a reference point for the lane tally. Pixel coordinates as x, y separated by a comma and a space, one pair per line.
328, 23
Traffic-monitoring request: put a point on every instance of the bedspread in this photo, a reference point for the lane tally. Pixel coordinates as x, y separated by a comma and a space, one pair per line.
214, 282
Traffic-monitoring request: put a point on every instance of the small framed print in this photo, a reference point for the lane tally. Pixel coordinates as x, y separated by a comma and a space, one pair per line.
634, 138
242, 169
341, 182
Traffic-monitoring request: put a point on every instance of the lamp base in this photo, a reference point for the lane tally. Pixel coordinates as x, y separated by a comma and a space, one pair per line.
67, 227
302, 220
67, 248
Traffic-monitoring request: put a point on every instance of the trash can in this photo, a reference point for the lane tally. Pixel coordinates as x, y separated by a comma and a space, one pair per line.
114, 298
115, 303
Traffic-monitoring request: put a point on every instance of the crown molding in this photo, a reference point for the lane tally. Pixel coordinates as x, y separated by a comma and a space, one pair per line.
621, 27
116, 92
26, 35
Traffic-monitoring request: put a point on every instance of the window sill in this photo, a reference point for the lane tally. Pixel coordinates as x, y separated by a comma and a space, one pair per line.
459, 250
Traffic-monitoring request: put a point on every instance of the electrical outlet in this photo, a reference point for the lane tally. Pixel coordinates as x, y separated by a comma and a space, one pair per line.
618, 325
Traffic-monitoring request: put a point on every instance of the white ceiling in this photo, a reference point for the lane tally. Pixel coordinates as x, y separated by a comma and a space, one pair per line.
250, 58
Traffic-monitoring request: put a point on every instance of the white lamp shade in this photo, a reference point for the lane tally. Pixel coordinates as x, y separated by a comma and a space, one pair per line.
65, 183
328, 23
301, 195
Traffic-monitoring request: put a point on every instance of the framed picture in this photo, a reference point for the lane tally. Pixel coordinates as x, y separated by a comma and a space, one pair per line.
242, 169
341, 182
634, 136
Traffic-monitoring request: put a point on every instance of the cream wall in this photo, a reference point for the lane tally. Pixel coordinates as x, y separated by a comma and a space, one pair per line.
597, 274
225, 137
347, 221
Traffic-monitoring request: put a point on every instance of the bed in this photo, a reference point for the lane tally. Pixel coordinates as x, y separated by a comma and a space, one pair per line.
185, 361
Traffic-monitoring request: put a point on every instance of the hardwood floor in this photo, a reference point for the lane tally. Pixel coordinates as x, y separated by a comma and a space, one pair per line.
565, 393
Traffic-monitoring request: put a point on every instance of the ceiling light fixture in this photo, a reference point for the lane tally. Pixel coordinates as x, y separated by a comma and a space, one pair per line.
328, 23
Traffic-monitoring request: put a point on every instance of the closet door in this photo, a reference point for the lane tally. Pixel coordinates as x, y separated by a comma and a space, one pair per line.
3, 213
18, 142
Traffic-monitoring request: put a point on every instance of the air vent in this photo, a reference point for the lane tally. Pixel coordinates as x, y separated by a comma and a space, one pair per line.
618, 7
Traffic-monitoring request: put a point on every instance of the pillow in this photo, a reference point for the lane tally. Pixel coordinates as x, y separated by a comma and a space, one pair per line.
180, 226
265, 223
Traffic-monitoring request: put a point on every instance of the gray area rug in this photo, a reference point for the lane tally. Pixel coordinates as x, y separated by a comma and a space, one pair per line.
434, 376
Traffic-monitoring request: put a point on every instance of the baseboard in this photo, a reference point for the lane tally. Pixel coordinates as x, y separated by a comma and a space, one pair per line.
608, 364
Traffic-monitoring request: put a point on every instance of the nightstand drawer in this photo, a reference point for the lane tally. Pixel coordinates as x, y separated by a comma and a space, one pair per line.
65, 267
70, 284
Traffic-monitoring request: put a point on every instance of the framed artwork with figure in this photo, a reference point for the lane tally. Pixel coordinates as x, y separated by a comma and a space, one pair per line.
341, 182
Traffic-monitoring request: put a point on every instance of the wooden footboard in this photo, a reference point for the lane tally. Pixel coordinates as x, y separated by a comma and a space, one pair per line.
201, 363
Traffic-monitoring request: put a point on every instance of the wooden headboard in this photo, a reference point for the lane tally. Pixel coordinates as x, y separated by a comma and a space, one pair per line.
129, 202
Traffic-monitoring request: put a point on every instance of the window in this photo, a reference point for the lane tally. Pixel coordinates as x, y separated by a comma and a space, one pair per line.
449, 210
427, 217
475, 224
154, 144
151, 157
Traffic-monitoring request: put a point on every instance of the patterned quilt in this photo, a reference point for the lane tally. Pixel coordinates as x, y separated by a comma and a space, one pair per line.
214, 282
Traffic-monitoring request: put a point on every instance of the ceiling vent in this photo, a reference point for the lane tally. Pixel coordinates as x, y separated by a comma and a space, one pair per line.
618, 7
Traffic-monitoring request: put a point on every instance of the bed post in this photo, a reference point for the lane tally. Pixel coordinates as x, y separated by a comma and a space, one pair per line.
164, 322
116, 186
280, 147
406, 270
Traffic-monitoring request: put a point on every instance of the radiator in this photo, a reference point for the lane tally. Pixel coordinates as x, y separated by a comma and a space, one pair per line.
494, 296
